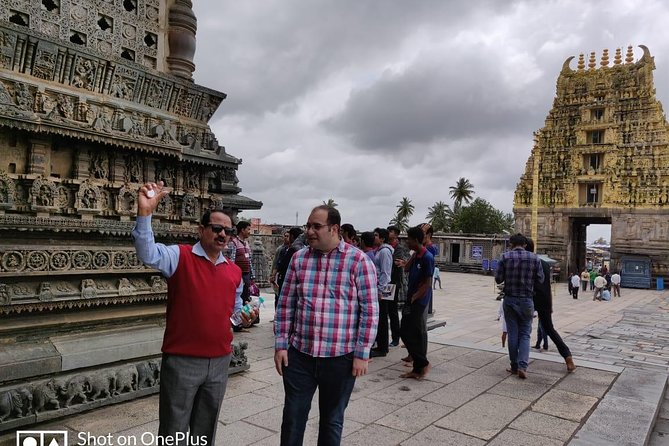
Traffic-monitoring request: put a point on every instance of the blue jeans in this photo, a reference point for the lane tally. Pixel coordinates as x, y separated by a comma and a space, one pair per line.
335, 381
518, 312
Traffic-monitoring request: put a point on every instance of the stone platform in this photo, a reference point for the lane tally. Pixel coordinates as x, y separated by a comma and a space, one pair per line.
468, 398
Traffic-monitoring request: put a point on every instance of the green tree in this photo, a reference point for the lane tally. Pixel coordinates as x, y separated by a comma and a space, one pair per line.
480, 217
330, 203
440, 216
462, 191
404, 212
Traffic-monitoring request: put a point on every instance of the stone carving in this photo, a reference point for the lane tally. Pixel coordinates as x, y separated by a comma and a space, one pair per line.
148, 374
126, 204
25, 100
99, 166
126, 379
166, 173
74, 390
165, 207
192, 179
190, 209
88, 197
84, 73
88, 289
102, 385
239, 358
158, 284
125, 288
45, 62
5, 95
7, 191
5, 297
43, 194
45, 396
15, 402
45, 293
102, 121
133, 170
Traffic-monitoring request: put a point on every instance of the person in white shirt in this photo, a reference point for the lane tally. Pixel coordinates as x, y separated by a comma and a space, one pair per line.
575, 283
615, 282
600, 283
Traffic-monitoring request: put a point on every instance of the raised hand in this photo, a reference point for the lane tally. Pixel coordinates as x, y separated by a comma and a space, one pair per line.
148, 198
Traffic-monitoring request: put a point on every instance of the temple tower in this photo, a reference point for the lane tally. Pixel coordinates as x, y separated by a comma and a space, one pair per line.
96, 98
601, 157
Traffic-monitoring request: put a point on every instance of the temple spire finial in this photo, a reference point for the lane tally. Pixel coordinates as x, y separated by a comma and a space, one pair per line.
605, 58
592, 62
617, 59
629, 57
581, 62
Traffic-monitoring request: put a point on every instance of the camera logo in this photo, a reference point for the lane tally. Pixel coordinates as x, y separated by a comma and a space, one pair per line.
41, 438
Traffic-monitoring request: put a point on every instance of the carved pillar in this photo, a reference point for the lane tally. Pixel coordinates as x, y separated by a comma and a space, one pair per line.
82, 165
182, 27
40, 157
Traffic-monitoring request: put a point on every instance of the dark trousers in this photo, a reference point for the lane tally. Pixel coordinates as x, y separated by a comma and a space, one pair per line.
414, 334
542, 336
574, 292
546, 320
334, 379
246, 292
191, 393
387, 309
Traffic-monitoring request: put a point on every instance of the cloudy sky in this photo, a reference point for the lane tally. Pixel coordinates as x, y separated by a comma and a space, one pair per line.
367, 101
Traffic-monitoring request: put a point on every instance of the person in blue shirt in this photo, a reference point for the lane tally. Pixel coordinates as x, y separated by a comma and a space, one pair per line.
419, 293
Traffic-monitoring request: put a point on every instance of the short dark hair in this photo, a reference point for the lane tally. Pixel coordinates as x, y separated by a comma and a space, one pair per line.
529, 244
206, 217
241, 225
367, 238
427, 228
416, 233
334, 218
383, 234
349, 230
395, 229
295, 232
517, 240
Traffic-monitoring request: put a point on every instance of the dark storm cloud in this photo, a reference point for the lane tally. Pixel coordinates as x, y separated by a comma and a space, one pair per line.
267, 54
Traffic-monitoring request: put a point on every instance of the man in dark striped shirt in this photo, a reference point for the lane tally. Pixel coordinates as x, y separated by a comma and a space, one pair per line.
520, 270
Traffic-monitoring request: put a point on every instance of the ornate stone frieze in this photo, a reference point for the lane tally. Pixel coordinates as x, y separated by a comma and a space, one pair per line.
22, 260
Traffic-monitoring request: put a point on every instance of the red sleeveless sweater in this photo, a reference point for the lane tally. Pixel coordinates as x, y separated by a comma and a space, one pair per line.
200, 300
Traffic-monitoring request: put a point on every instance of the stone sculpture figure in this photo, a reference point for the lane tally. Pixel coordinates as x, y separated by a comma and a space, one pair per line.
45, 397
17, 402
74, 390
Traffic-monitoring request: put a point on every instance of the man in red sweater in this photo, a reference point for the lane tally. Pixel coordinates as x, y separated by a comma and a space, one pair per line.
203, 292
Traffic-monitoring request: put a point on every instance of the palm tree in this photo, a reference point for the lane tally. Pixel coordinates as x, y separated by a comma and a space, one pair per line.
462, 191
330, 203
405, 210
402, 225
440, 216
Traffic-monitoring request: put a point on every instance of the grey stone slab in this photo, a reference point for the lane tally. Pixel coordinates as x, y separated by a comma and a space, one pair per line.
270, 419
241, 383
241, 433
374, 382
448, 372
274, 391
617, 421
447, 353
466, 388
405, 391
433, 435
267, 375
558, 369
641, 385
148, 430
243, 406
263, 364
367, 410
375, 434
477, 358
525, 389
545, 425
484, 416
587, 382
656, 439
562, 404
661, 426
415, 416
512, 437
24, 360
116, 418
104, 347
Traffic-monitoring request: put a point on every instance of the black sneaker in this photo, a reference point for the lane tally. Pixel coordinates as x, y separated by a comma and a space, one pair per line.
394, 344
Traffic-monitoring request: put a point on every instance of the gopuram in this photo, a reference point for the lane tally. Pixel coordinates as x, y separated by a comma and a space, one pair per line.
96, 98
602, 157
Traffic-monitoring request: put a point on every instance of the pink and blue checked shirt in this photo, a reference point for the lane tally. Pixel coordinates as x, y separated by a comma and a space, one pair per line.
328, 305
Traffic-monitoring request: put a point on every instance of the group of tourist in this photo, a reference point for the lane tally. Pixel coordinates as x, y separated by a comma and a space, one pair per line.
334, 302
602, 282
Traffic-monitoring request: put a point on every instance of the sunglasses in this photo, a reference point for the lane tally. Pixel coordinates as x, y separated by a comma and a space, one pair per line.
218, 228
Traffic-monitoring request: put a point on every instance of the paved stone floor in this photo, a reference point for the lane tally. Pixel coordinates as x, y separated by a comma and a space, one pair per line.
468, 399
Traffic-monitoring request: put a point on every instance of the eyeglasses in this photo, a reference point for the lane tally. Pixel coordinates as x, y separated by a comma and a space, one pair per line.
316, 226
218, 228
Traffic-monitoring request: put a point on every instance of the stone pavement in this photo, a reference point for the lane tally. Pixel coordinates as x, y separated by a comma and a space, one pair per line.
468, 398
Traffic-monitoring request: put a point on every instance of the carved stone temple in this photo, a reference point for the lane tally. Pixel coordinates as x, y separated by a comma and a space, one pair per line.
602, 157
96, 97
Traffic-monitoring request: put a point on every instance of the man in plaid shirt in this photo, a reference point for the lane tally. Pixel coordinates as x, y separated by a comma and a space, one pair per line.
325, 326
520, 270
